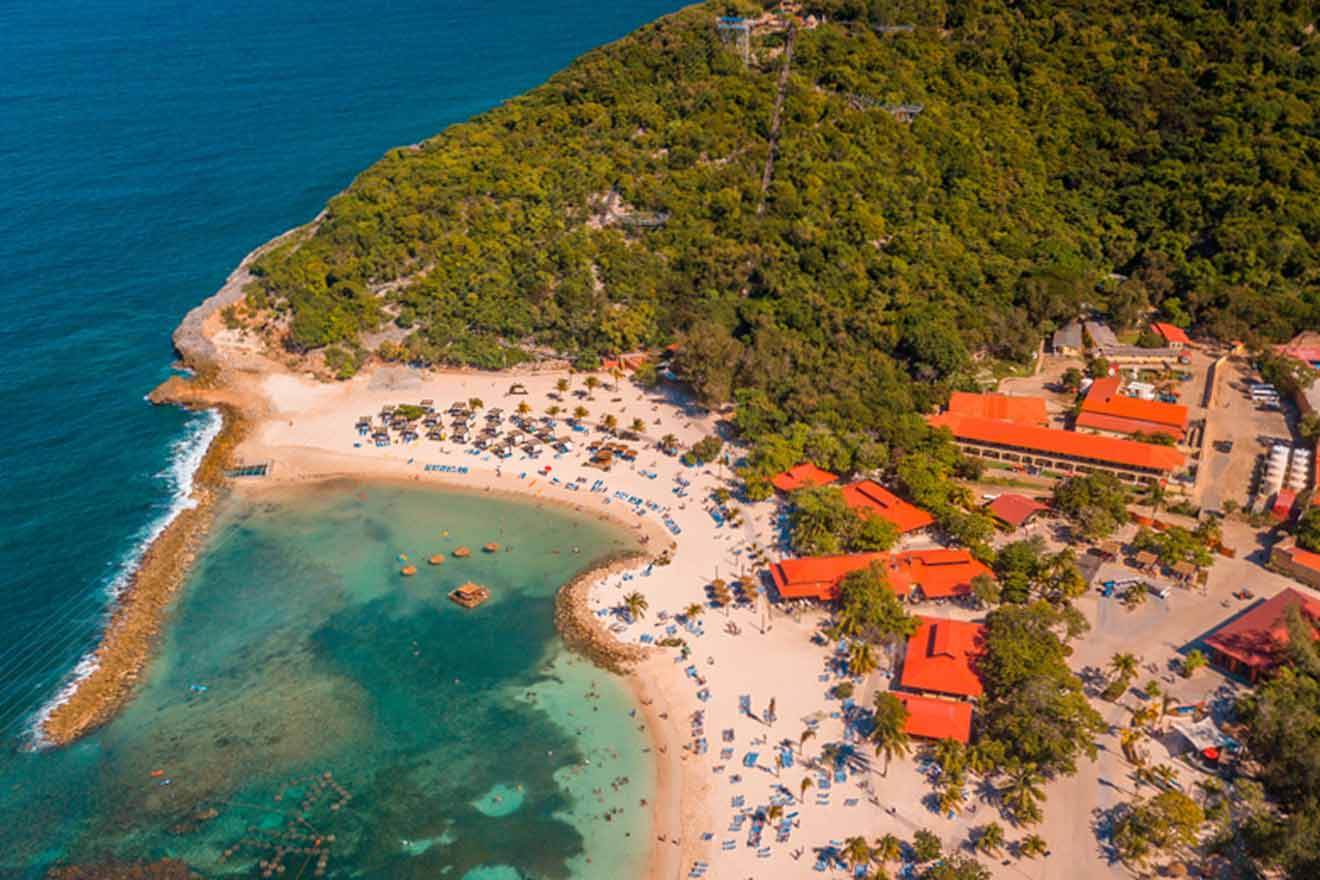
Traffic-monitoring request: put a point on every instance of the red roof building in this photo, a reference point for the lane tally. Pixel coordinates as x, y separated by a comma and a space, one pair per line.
941, 658
802, 475
869, 498
1105, 409
933, 574
1052, 449
1174, 337
1297, 563
817, 577
934, 718
1251, 644
1015, 510
1026, 410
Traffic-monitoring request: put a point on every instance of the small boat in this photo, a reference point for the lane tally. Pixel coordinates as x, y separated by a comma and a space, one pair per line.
408, 570
469, 595
462, 553
437, 559
492, 547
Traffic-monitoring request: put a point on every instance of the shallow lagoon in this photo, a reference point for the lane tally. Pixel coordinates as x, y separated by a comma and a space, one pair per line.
457, 743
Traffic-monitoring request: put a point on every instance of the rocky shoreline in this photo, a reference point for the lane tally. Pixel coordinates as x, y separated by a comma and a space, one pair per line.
583, 632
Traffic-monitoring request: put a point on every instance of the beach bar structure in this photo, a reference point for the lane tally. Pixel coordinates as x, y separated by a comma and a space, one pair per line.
1252, 644
914, 574
941, 658
937, 718
1061, 452
869, 498
802, 475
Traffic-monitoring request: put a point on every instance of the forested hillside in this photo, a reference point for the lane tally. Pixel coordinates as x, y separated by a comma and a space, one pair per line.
1118, 153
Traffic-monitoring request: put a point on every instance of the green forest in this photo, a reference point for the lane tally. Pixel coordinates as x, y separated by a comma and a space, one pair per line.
1123, 155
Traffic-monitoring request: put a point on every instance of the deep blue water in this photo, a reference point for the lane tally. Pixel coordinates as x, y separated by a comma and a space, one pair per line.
145, 147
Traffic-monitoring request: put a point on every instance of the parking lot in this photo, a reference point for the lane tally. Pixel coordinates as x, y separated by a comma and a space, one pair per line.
1250, 427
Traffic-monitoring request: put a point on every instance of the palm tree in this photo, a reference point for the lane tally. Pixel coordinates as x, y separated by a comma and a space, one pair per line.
775, 812
1128, 738
638, 426
1032, 845
802, 740
524, 408
805, 784
580, 412
887, 849
1124, 665
1024, 792
1194, 660
889, 735
857, 851
616, 374
592, 384
669, 443
553, 410
635, 604
475, 403
610, 422
991, 839
952, 794
951, 755
561, 385
693, 611
861, 658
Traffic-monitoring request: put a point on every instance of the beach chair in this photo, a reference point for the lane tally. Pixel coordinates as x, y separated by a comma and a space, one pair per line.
749, 759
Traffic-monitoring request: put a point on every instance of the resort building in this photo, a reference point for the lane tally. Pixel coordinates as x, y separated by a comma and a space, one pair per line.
1101, 336
1175, 338
802, 475
1107, 411
915, 574
1302, 565
1006, 408
936, 718
1059, 452
1014, 511
1251, 644
869, 498
941, 658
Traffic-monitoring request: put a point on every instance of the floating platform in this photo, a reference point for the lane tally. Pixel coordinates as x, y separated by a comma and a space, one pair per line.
462, 553
492, 547
469, 595
408, 570
437, 559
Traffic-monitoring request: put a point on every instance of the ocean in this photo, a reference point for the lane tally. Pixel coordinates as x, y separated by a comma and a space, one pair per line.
144, 149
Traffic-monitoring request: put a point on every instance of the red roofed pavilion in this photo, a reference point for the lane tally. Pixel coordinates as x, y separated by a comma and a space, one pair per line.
1174, 337
869, 498
1015, 510
933, 718
940, 658
1004, 407
802, 475
1251, 644
938, 574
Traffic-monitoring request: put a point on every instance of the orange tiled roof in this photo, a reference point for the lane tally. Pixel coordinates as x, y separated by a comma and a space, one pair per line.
800, 475
817, 577
933, 718
869, 497
1256, 637
941, 655
1304, 557
1005, 408
941, 574
1111, 450
1103, 399
1117, 425
1170, 333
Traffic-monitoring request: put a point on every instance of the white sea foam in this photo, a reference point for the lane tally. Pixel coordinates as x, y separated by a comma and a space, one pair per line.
185, 458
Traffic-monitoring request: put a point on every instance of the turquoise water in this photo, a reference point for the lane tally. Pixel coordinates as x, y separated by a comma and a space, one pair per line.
458, 743
144, 149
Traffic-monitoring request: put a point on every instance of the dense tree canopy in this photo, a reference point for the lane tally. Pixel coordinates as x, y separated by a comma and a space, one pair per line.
1171, 144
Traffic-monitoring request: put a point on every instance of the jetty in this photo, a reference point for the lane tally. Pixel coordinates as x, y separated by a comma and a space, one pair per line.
469, 595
